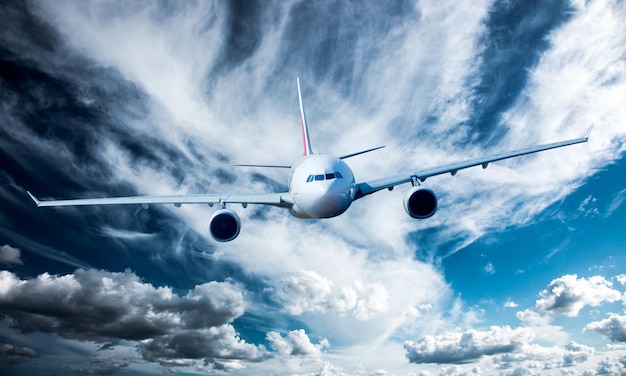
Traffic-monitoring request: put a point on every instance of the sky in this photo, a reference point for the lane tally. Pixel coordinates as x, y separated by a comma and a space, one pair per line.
520, 271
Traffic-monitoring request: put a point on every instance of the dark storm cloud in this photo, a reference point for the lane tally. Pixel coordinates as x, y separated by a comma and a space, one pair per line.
214, 343
98, 366
103, 306
12, 354
516, 37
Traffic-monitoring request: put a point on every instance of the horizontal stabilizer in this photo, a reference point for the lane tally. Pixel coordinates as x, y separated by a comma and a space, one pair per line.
360, 152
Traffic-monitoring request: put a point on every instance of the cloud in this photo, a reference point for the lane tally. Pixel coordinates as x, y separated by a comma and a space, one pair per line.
310, 292
100, 366
10, 255
295, 343
45, 251
220, 346
588, 207
567, 295
511, 352
489, 268
616, 203
125, 234
611, 366
536, 357
613, 328
197, 102
463, 347
331, 370
11, 354
93, 305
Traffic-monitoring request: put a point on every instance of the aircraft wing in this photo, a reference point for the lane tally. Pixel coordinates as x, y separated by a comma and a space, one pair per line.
277, 199
366, 188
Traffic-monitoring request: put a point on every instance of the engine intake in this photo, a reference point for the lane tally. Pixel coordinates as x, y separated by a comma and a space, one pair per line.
420, 202
224, 225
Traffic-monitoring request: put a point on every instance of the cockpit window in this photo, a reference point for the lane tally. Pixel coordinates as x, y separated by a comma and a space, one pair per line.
326, 176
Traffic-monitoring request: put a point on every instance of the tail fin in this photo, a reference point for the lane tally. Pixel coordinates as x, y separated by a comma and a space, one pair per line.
305, 128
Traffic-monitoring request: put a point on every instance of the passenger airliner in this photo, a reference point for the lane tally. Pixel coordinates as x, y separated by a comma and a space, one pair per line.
320, 186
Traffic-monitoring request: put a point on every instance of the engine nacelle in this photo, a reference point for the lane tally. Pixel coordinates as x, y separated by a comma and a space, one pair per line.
224, 225
420, 202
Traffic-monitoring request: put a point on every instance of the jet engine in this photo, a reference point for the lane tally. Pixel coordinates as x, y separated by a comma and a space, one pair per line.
224, 225
420, 202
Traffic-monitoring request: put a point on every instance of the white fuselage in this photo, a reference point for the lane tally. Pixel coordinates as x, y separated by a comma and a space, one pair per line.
322, 186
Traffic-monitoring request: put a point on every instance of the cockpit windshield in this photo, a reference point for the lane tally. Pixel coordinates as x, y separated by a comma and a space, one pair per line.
325, 176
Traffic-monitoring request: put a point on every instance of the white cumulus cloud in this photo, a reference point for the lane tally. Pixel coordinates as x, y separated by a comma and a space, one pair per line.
308, 291
613, 327
462, 347
295, 343
537, 357
567, 295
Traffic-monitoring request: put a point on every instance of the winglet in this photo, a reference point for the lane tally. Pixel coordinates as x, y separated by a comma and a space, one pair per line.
305, 128
588, 132
35, 200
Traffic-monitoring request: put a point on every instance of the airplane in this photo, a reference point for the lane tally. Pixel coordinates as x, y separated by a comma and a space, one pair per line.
320, 186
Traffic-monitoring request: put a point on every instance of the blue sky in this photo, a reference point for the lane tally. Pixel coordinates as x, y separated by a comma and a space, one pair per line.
520, 271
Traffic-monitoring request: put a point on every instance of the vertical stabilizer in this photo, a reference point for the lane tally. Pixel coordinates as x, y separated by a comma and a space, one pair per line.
305, 128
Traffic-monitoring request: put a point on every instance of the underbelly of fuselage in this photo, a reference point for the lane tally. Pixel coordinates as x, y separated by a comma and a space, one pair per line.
321, 206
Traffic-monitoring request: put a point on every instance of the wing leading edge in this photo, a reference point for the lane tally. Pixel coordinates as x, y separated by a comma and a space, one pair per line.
366, 188
276, 199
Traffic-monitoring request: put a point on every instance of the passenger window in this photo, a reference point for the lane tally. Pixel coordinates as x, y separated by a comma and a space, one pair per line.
309, 179
330, 176
338, 175
319, 177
